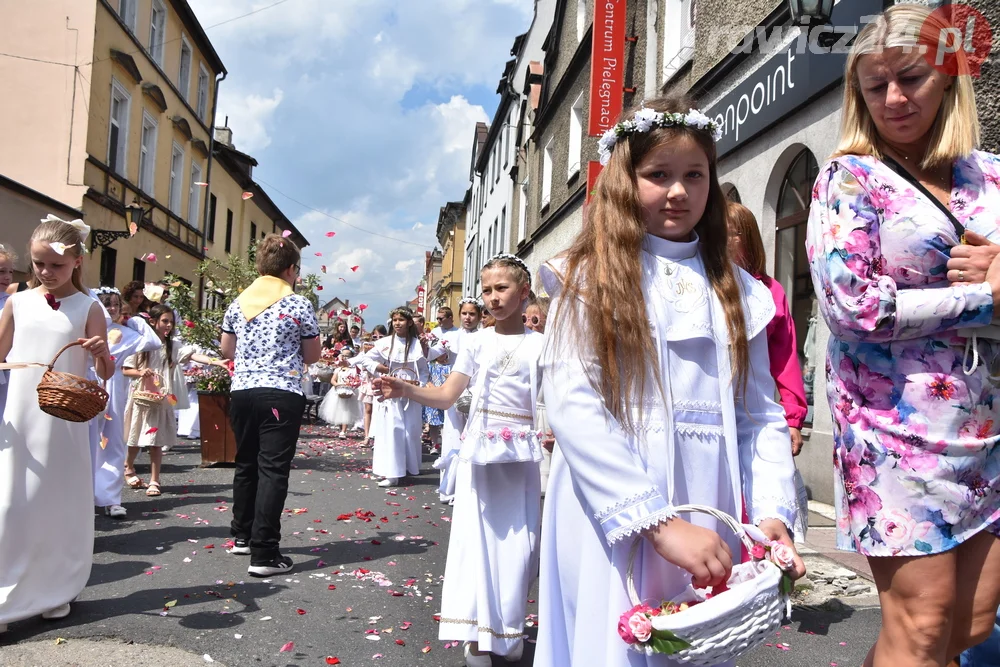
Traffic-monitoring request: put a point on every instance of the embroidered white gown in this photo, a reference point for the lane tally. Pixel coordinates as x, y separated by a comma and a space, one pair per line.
396, 422
702, 447
494, 527
46, 485
109, 460
450, 343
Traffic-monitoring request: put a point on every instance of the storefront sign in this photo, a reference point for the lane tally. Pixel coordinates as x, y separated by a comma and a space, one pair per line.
607, 65
788, 80
420, 298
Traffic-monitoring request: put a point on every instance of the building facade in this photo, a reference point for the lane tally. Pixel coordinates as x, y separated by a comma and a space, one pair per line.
451, 237
431, 283
21, 208
116, 109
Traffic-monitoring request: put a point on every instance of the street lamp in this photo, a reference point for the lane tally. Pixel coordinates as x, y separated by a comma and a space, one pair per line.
105, 237
812, 14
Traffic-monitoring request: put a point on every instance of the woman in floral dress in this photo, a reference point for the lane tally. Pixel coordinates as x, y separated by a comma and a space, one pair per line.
918, 469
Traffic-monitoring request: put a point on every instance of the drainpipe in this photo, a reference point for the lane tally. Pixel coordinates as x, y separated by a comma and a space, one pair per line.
208, 178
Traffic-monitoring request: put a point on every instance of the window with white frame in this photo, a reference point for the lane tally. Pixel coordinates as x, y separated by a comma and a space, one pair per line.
581, 19
678, 35
502, 242
157, 31
522, 212
575, 138
126, 10
121, 104
176, 178
184, 70
147, 154
202, 105
547, 174
194, 192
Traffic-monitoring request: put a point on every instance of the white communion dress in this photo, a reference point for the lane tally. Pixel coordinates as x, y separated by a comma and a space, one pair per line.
494, 528
46, 482
396, 422
340, 410
107, 440
700, 445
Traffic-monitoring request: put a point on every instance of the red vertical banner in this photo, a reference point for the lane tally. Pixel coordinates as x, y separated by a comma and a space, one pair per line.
607, 65
593, 170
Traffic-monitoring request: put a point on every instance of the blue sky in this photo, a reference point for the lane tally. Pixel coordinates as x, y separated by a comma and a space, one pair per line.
364, 110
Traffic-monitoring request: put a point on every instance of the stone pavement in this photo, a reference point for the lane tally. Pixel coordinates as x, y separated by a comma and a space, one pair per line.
368, 569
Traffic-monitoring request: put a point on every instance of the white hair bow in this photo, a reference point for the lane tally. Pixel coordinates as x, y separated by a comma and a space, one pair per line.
80, 225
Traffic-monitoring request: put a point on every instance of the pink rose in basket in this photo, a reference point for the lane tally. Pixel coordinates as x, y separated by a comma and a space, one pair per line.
641, 626
506, 433
624, 631
782, 555
758, 551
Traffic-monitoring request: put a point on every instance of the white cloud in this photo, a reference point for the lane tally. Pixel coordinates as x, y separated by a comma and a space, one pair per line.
366, 110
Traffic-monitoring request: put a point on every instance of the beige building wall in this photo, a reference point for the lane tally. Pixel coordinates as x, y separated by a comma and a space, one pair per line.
452, 271
43, 120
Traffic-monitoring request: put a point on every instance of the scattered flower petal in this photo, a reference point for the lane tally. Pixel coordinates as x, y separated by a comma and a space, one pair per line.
290, 645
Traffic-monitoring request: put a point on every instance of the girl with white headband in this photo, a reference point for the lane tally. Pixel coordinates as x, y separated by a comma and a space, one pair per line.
658, 390
46, 485
491, 558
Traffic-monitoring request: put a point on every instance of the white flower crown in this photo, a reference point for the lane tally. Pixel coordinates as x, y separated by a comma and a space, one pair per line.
513, 259
107, 290
470, 299
645, 119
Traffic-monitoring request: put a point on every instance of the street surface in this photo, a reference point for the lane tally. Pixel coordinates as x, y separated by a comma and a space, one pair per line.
365, 589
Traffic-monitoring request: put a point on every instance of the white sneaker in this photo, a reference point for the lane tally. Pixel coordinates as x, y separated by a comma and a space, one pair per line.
472, 660
115, 511
165, 448
62, 611
389, 481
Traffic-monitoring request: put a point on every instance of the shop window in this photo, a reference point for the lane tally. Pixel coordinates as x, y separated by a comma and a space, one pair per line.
791, 266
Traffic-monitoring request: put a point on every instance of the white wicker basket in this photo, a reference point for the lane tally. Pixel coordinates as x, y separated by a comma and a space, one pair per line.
731, 623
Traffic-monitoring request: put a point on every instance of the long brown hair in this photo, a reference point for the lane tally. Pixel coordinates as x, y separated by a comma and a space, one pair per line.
411, 331
752, 256
603, 272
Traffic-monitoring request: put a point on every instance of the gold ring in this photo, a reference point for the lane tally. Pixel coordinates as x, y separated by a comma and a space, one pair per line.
961, 276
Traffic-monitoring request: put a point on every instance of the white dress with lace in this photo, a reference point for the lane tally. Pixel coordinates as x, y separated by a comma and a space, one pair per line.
702, 445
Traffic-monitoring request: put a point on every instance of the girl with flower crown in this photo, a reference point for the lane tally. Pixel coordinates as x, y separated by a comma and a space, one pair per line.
497, 489
658, 390
46, 485
396, 424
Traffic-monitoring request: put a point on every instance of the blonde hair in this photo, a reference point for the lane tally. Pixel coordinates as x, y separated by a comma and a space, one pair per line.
6, 252
603, 273
955, 132
275, 254
57, 231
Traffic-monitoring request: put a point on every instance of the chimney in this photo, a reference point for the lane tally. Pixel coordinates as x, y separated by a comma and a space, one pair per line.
224, 135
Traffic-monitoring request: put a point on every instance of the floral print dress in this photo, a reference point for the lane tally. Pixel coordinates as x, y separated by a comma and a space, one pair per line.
915, 437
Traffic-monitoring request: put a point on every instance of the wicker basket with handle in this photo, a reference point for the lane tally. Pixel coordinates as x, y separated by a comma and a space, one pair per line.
70, 397
146, 395
731, 623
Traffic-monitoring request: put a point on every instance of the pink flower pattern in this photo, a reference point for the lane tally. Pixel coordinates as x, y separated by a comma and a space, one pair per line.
918, 469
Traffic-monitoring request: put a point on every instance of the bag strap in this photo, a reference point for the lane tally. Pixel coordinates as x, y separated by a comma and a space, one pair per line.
912, 180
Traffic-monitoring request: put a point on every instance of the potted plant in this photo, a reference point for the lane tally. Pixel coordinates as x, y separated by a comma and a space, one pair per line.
202, 326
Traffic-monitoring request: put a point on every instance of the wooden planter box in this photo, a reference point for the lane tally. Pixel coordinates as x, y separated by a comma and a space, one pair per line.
218, 442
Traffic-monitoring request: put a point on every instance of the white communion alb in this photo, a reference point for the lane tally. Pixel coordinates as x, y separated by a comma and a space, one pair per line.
494, 528
701, 445
449, 343
396, 422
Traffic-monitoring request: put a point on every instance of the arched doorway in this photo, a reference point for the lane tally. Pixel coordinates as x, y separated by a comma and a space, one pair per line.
791, 265
732, 194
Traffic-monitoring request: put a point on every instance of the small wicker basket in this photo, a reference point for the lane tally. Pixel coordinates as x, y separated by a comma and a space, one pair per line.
147, 397
731, 623
70, 397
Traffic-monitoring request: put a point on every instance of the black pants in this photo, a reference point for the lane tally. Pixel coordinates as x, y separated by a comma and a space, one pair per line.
265, 445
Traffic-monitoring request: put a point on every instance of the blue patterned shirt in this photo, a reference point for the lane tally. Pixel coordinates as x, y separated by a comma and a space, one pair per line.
269, 347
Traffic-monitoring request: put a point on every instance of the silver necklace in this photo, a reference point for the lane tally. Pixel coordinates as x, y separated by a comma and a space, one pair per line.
506, 357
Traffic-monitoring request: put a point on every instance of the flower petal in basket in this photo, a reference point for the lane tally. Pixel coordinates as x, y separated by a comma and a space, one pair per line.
733, 622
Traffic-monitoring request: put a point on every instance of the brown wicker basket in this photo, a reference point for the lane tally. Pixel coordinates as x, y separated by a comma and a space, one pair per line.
70, 397
146, 397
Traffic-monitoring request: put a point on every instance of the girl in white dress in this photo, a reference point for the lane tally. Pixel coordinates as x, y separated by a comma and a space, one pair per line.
396, 425
449, 344
152, 427
658, 389
46, 486
126, 336
497, 490
340, 406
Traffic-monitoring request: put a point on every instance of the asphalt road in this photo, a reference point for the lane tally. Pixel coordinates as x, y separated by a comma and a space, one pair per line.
365, 589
